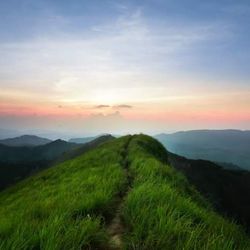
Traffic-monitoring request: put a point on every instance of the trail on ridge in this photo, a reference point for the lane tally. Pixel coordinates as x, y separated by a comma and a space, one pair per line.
116, 227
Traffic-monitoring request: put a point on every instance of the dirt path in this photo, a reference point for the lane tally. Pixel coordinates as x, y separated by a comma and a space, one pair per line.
116, 228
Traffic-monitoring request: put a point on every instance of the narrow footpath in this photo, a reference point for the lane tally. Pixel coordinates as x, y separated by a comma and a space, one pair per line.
116, 228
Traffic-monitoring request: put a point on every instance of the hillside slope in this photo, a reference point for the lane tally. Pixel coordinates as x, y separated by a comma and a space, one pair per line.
121, 195
228, 190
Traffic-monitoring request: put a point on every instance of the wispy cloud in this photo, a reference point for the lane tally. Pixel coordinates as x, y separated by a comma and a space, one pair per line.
122, 106
115, 54
101, 106
128, 61
119, 106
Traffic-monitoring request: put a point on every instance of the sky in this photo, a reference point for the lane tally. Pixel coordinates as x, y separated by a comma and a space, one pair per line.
111, 66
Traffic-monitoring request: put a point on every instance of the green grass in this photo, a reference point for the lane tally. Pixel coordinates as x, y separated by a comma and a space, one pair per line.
163, 211
70, 205
65, 206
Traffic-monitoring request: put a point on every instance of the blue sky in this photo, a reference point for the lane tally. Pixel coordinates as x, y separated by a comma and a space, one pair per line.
151, 55
223, 53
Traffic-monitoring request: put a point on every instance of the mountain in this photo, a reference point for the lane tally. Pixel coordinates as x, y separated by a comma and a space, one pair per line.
227, 146
123, 194
85, 147
25, 140
19, 162
81, 140
10, 154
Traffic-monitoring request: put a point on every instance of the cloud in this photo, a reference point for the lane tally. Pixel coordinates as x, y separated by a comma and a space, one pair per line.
101, 106
122, 106
130, 42
127, 60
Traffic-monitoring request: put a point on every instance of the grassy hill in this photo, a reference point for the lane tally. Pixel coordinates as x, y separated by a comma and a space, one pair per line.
121, 195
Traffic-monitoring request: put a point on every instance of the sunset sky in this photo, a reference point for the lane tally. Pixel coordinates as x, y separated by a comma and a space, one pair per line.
151, 66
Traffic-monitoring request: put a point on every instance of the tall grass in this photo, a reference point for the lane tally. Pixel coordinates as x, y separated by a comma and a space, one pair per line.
66, 206
70, 205
162, 211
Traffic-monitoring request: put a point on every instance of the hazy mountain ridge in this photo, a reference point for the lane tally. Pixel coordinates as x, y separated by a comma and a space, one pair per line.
84, 147
82, 140
228, 146
25, 140
11, 154
17, 163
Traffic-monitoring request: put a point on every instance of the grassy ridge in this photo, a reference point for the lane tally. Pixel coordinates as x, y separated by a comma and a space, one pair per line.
64, 207
162, 211
70, 205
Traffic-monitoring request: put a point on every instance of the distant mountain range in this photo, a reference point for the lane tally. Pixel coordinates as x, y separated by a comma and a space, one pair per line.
17, 154
18, 162
84, 147
227, 148
25, 140
83, 140
24, 155
220, 146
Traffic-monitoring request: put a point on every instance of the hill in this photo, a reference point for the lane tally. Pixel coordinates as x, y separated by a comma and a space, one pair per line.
25, 140
121, 195
82, 140
85, 147
226, 146
19, 162
10, 154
